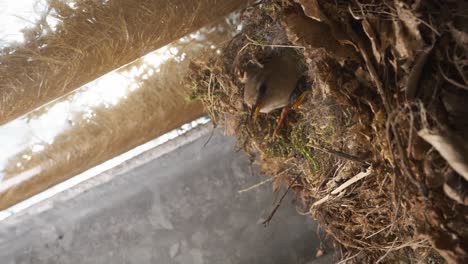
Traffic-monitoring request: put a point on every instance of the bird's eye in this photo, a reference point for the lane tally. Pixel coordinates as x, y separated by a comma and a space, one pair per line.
262, 90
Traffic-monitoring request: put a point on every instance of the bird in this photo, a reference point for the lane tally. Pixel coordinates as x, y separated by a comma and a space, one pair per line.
279, 82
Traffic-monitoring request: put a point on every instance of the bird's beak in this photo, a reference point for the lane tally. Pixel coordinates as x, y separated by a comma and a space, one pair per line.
299, 101
255, 110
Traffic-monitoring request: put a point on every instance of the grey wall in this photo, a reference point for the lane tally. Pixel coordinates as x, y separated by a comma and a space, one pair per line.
182, 207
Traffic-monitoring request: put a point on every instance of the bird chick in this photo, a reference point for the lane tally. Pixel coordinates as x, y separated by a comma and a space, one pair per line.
270, 87
277, 84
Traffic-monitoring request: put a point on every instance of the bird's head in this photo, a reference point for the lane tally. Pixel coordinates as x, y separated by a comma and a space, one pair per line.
268, 86
254, 91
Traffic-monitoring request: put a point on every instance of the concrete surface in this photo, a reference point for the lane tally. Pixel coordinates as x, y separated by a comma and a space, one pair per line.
182, 207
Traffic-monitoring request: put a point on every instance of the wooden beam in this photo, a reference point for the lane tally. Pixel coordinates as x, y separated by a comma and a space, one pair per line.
92, 39
146, 114
156, 106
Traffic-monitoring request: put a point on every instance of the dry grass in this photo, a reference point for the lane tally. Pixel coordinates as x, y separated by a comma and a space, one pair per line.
362, 169
93, 38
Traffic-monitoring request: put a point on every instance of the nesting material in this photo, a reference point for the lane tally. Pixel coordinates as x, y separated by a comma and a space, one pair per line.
377, 74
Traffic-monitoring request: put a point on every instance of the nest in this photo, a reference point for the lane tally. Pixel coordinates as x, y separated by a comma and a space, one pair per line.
359, 152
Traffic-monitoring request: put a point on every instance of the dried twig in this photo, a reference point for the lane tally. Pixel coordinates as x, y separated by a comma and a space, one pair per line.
391, 128
270, 217
345, 185
264, 181
451, 81
339, 154
256, 43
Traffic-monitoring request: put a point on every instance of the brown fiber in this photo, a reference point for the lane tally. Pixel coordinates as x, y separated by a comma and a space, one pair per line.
384, 71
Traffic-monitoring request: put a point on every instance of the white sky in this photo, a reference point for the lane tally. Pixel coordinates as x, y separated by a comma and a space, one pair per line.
16, 15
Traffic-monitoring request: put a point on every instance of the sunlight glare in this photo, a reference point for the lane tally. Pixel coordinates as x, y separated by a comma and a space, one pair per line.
17, 15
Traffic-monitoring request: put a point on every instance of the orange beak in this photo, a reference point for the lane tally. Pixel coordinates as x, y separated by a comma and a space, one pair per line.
255, 110
299, 100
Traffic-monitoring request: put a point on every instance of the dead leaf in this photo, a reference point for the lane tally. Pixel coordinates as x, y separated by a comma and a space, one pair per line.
456, 188
313, 34
451, 147
407, 36
312, 9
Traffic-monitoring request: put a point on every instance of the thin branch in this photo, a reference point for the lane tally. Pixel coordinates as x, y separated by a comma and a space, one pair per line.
256, 185
391, 128
256, 43
451, 81
270, 217
345, 185
353, 180
339, 154
264, 181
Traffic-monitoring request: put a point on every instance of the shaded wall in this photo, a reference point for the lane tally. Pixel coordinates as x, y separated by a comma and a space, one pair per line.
183, 207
